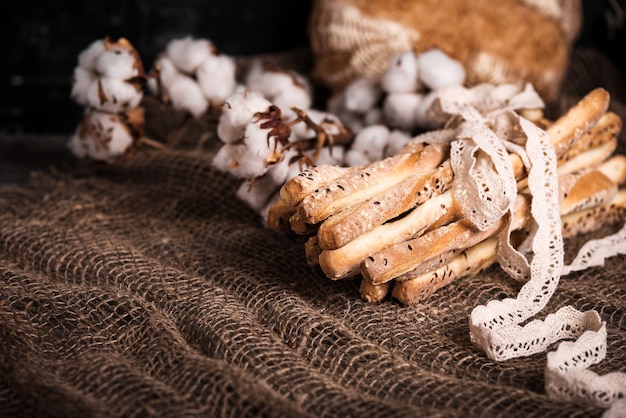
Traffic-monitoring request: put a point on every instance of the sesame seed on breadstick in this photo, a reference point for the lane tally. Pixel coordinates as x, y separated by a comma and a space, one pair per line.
477, 258
580, 118
606, 129
345, 226
361, 185
296, 189
344, 261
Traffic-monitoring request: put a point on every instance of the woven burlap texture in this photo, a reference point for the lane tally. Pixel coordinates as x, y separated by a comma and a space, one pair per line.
145, 288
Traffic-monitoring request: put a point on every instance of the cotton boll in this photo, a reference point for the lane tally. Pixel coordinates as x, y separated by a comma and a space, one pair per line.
258, 142
437, 70
86, 59
374, 116
101, 136
400, 109
216, 77
292, 97
116, 63
422, 118
396, 141
301, 130
272, 83
188, 53
329, 155
371, 141
186, 94
235, 159
167, 71
356, 158
113, 95
280, 170
402, 74
361, 95
256, 193
238, 110
81, 81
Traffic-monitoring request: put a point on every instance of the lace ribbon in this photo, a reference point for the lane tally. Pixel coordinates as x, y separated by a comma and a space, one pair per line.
485, 187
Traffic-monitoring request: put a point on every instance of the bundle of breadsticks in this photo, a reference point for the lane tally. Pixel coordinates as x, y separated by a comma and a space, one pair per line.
402, 224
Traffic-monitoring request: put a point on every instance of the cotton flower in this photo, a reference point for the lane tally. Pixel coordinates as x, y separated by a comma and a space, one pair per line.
186, 94
371, 141
101, 136
401, 76
188, 53
400, 110
437, 70
237, 111
216, 77
284, 88
109, 76
396, 140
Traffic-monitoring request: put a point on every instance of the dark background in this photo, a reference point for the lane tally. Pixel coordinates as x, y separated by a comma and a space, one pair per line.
41, 41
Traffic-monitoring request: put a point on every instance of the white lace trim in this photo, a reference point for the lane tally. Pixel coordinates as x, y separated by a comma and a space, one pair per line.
486, 189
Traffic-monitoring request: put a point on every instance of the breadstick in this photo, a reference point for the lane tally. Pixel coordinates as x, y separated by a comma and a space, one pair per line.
434, 248
300, 227
278, 216
344, 261
479, 257
587, 159
373, 293
608, 127
345, 226
579, 119
471, 261
296, 189
312, 251
363, 184
591, 219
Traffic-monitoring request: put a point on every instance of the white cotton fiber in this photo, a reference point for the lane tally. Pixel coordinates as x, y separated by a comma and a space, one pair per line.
237, 111
356, 158
371, 141
82, 79
186, 94
116, 63
187, 53
113, 95
256, 193
437, 70
101, 136
87, 57
216, 77
421, 113
400, 110
361, 95
401, 76
396, 141
329, 155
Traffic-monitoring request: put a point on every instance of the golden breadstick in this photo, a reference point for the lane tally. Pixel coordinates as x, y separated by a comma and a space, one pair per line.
471, 261
344, 261
590, 158
300, 227
312, 251
278, 216
434, 248
579, 119
356, 187
479, 257
345, 226
607, 128
374, 293
588, 220
296, 189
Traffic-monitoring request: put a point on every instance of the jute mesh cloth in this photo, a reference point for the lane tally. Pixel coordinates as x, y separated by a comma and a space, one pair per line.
145, 288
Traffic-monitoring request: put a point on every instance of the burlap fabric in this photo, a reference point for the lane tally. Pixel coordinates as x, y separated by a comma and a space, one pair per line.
145, 288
